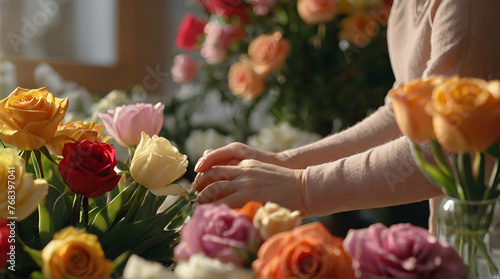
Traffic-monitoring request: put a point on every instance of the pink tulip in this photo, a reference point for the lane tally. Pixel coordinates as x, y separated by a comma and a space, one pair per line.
125, 123
184, 68
402, 250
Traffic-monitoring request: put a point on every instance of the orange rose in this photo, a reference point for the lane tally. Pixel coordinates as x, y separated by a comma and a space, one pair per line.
268, 53
466, 113
358, 29
308, 251
317, 11
249, 209
244, 82
76, 131
29, 118
75, 253
410, 101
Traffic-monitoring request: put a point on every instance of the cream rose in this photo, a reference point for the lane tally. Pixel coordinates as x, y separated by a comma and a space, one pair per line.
17, 187
272, 219
410, 105
201, 266
466, 113
156, 164
29, 118
268, 53
244, 82
75, 253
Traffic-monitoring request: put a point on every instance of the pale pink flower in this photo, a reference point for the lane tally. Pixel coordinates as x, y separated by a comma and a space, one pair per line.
184, 68
218, 39
125, 123
263, 7
402, 250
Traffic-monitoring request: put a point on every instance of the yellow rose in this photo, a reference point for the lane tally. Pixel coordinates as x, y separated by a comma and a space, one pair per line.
156, 164
75, 253
466, 114
272, 219
76, 131
244, 82
268, 52
29, 118
410, 101
18, 189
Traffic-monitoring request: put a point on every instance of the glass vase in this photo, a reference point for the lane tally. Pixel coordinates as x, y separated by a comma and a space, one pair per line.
473, 229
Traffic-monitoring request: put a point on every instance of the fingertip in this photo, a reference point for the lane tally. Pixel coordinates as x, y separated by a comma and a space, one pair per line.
198, 165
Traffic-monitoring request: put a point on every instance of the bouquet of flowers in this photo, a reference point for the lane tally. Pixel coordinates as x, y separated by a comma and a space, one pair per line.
457, 117
319, 65
69, 208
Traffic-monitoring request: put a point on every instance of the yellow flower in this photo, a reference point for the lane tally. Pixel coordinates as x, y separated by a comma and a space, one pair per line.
156, 164
272, 219
466, 113
18, 189
75, 253
29, 118
76, 131
410, 102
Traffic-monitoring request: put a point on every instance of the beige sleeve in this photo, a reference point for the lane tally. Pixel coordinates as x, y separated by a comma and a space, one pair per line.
378, 128
382, 176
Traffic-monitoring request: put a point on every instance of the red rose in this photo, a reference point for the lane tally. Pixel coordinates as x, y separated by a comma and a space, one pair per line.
190, 28
227, 8
88, 168
4, 243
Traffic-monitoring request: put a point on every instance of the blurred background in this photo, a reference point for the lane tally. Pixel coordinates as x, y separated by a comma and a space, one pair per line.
106, 53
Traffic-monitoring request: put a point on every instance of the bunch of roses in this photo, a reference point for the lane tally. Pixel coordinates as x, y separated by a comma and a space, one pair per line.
30, 121
220, 242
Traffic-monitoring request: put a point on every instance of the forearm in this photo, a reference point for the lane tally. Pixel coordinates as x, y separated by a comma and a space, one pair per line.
383, 176
376, 129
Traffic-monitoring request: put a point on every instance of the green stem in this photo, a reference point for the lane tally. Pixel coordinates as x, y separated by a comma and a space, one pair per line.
85, 202
439, 157
482, 249
138, 197
75, 214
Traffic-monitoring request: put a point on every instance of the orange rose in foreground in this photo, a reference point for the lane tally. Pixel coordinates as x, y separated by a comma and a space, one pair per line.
466, 114
76, 131
308, 251
317, 11
249, 209
359, 29
75, 253
410, 102
29, 118
268, 53
244, 82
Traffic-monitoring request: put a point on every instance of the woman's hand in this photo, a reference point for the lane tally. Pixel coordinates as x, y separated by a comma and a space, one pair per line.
252, 180
234, 153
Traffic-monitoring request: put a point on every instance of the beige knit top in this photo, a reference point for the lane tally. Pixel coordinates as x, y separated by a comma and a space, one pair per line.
370, 165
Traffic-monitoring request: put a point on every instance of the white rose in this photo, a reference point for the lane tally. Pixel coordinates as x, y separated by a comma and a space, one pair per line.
201, 266
199, 141
272, 219
282, 136
138, 267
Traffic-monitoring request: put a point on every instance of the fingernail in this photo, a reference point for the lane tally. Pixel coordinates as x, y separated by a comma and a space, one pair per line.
198, 164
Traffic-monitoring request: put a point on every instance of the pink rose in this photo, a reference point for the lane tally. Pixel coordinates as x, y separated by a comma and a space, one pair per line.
218, 39
243, 82
317, 11
184, 68
263, 7
125, 123
220, 233
189, 30
402, 250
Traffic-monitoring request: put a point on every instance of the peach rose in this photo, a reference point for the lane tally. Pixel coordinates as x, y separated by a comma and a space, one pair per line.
466, 113
308, 251
29, 118
358, 29
75, 253
410, 101
76, 131
244, 82
317, 11
268, 52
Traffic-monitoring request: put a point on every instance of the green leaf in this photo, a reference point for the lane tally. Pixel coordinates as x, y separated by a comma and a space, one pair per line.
121, 260
45, 225
107, 215
466, 176
36, 255
47, 154
147, 208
